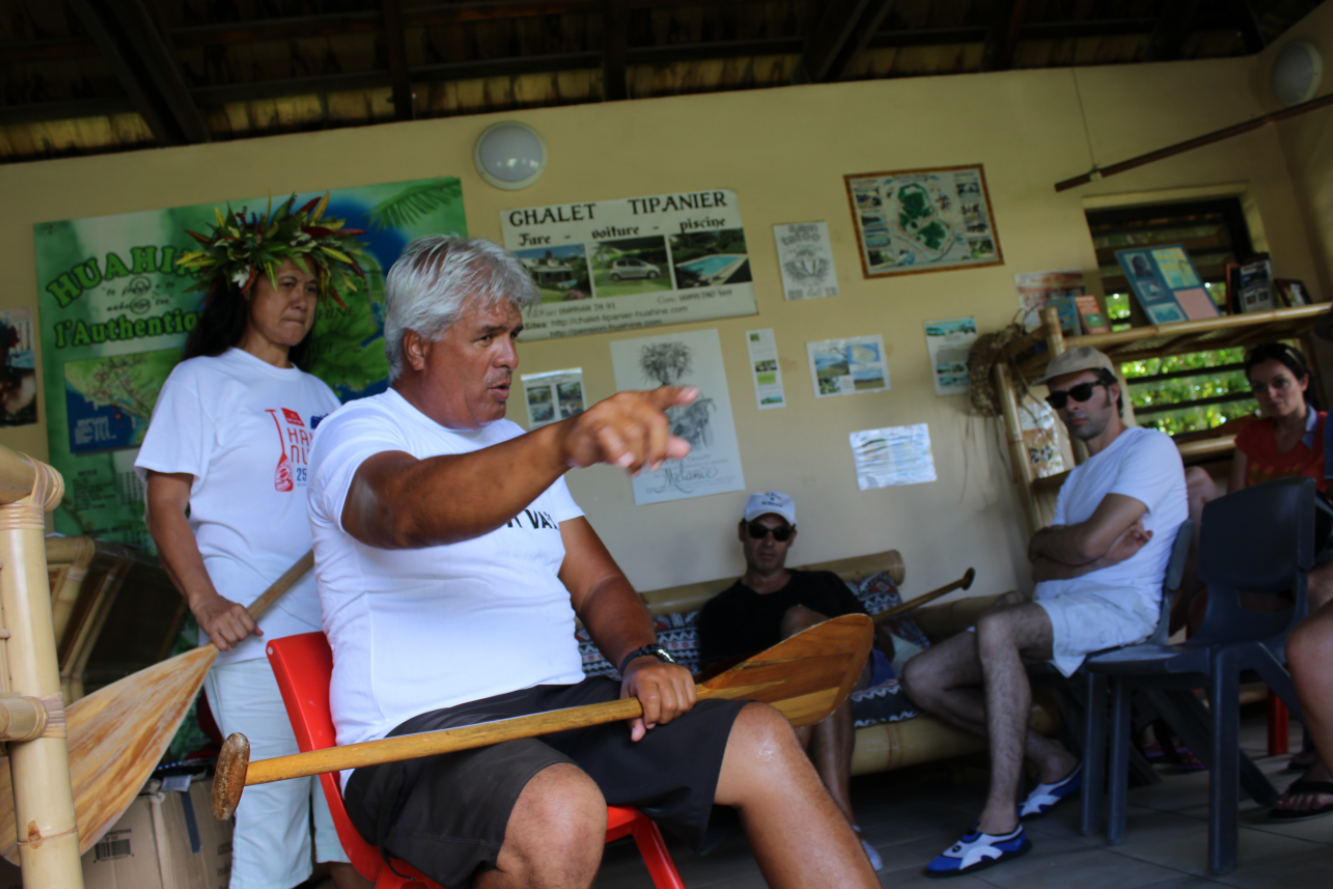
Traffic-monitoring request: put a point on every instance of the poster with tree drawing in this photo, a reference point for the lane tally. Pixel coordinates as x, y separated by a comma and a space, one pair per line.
685, 359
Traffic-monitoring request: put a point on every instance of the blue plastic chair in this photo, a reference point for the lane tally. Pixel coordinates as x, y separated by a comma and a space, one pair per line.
1260, 540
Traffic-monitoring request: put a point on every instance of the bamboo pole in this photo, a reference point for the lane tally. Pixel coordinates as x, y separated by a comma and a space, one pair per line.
1018, 452
1055, 343
48, 836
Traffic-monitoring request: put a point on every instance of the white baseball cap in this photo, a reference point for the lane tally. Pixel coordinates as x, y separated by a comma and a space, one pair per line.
773, 502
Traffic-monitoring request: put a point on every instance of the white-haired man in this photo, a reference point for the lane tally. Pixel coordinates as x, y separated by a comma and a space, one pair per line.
452, 563
1099, 568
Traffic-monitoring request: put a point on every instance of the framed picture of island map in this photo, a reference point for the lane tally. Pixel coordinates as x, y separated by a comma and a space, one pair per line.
923, 220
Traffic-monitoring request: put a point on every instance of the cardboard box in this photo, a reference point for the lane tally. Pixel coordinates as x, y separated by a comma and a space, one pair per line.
167, 839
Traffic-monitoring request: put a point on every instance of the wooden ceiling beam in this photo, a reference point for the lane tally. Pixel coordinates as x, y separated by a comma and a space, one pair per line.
615, 35
135, 51
395, 45
845, 28
1002, 39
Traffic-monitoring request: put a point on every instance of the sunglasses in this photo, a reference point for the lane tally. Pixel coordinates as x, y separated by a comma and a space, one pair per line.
1081, 392
759, 532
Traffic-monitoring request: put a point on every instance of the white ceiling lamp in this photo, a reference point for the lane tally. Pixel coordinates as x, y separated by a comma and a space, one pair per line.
1297, 72
510, 155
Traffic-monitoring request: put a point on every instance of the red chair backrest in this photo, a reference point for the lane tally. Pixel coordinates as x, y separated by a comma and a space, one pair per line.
303, 666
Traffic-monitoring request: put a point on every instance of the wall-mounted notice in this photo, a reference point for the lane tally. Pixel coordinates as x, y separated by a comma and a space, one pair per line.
18, 368
554, 395
1166, 284
898, 455
806, 260
1037, 289
851, 366
638, 262
947, 343
685, 359
764, 367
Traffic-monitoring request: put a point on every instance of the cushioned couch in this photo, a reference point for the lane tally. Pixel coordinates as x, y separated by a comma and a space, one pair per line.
886, 745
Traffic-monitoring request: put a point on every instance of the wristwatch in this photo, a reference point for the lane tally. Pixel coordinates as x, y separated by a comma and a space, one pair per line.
654, 649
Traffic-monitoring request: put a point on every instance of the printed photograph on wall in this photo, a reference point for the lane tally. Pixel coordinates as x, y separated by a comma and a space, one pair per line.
631, 265
923, 220
849, 366
707, 259
560, 273
115, 309
553, 395
685, 359
18, 368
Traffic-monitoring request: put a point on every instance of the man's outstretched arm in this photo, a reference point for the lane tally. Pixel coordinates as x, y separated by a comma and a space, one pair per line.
399, 502
619, 623
1086, 542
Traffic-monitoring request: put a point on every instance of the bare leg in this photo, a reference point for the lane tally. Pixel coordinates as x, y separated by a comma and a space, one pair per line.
345, 876
946, 681
1310, 654
799, 836
830, 741
555, 834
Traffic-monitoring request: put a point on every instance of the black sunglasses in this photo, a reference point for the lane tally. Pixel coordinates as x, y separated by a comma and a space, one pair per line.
759, 532
1081, 392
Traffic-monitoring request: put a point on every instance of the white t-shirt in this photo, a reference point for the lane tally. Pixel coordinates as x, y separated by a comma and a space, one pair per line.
422, 629
1143, 464
243, 428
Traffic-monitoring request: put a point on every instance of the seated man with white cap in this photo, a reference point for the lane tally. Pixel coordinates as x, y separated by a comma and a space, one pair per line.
1099, 569
771, 602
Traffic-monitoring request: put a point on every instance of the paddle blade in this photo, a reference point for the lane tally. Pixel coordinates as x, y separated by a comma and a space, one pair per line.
117, 736
806, 676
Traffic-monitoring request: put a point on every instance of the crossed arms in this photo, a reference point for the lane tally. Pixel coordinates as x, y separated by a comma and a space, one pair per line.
1113, 533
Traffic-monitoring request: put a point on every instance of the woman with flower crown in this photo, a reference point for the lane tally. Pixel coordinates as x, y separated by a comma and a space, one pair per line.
224, 460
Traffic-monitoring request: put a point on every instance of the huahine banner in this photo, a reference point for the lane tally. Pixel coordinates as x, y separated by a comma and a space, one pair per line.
115, 311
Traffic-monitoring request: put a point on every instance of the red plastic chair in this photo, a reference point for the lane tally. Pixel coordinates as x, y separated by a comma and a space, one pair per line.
304, 667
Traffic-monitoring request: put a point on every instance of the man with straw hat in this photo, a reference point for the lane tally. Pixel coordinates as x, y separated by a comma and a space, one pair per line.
452, 563
1099, 569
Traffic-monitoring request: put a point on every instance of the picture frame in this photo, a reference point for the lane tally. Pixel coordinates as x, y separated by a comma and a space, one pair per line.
909, 222
1292, 292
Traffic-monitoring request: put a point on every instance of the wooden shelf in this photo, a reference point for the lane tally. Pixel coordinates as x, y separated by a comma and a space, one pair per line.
1139, 343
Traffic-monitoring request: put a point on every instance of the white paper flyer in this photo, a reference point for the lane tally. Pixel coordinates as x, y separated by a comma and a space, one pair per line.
947, 343
851, 366
637, 262
764, 368
553, 395
897, 455
685, 359
806, 260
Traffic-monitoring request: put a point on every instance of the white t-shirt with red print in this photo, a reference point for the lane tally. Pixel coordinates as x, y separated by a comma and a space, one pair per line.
243, 428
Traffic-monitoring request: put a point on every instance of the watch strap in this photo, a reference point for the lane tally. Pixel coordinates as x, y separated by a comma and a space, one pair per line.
653, 649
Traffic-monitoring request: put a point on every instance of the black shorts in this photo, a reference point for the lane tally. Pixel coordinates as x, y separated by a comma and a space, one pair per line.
446, 815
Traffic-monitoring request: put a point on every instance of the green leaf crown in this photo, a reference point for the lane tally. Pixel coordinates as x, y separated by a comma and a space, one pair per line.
238, 249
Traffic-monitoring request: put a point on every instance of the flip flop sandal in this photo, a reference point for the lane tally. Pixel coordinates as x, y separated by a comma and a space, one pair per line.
1045, 797
1302, 786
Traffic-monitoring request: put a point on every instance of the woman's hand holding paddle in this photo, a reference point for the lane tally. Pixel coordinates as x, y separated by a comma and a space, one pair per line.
665, 691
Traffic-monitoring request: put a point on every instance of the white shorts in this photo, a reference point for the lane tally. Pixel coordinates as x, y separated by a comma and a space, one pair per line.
271, 847
1084, 621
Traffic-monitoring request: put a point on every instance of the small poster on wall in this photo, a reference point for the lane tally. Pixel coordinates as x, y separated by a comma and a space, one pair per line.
923, 220
806, 260
763, 349
1166, 284
947, 343
553, 395
851, 366
1037, 289
898, 455
638, 262
685, 359
18, 368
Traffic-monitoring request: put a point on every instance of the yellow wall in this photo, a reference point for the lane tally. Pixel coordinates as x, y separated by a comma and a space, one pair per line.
785, 152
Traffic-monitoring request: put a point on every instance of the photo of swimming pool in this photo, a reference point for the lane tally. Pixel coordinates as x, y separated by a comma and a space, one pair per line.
707, 259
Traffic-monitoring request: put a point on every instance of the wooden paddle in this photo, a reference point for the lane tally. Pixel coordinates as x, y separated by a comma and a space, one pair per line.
961, 583
118, 734
806, 676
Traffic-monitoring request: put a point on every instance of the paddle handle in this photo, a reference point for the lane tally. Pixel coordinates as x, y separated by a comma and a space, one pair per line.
961, 583
282, 584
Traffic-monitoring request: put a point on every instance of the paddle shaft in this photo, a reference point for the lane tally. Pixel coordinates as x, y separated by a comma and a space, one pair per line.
961, 583
282, 584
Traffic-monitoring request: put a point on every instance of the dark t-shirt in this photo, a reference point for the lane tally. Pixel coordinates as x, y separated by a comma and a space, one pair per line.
738, 621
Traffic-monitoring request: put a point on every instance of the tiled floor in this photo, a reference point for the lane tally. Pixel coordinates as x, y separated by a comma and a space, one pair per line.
912, 815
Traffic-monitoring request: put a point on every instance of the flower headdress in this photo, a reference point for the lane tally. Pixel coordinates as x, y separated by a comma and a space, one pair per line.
239, 249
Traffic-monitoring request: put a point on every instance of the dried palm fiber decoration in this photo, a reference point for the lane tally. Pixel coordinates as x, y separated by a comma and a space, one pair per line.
238, 249
986, 352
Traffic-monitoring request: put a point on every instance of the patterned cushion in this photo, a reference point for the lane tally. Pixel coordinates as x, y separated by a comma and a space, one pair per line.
885, 702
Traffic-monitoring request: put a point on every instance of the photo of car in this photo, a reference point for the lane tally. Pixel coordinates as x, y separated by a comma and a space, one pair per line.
630, 267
